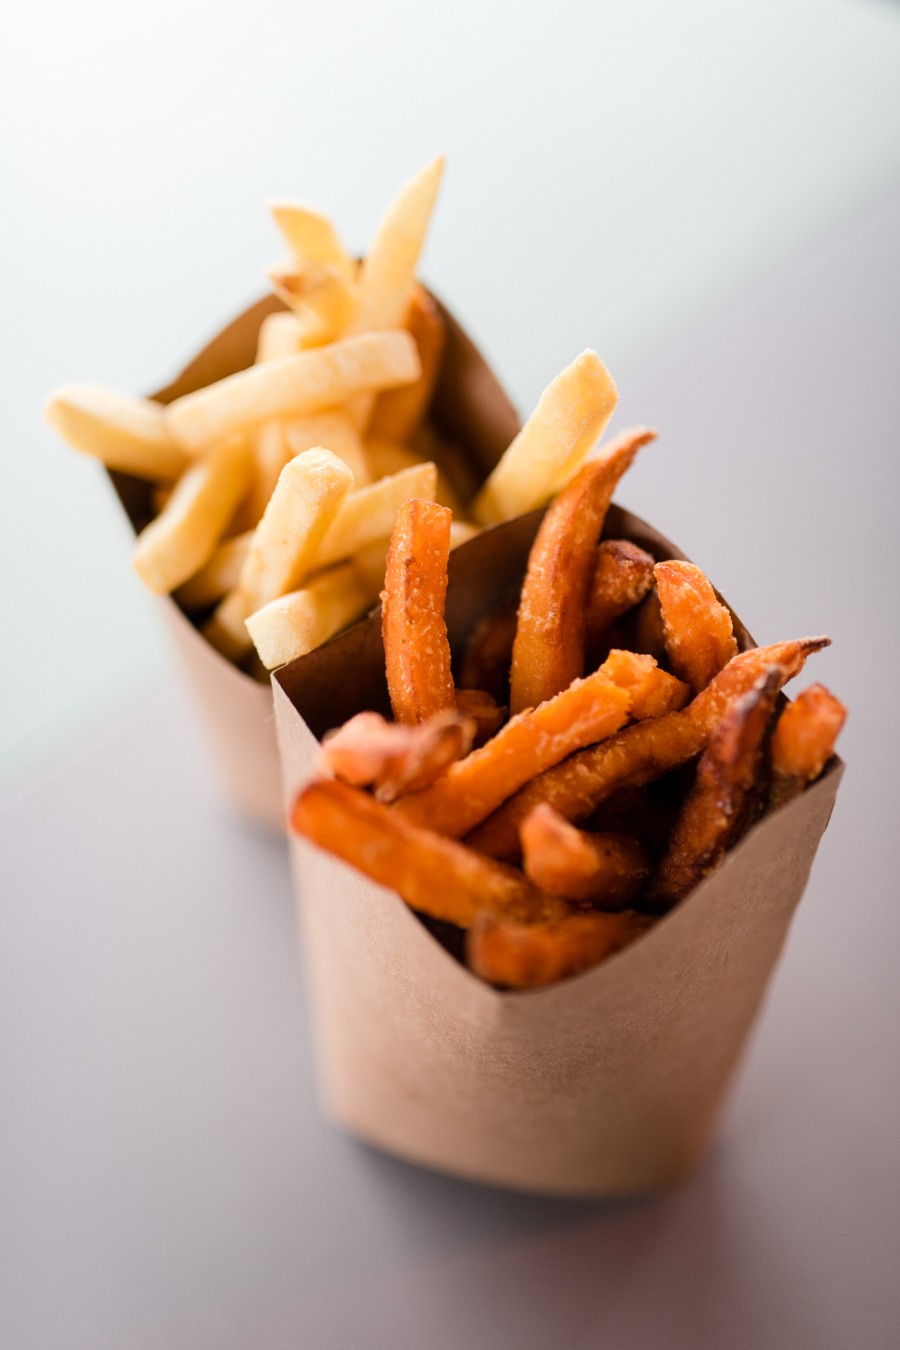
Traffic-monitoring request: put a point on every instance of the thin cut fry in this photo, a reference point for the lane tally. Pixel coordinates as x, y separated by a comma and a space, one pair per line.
398, 414
367, 751
417, 652
124, 433
569, 418
721, 803
527, 956
432, 874
184, 535
803, 741
623, 574
320, 294
606, 869
587, 712
216, 577
293, 386
297, 623
698, 629
549, 647
639, 754
368, 514
310, 236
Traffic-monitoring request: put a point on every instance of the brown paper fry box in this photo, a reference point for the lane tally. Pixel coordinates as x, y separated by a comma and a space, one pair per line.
469, 408
607, 1084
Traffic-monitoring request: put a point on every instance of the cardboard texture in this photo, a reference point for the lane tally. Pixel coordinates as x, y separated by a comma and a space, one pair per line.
607, 1084
236, 711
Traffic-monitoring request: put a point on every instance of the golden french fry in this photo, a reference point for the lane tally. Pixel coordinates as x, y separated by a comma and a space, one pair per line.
803, 741
297, 623
623, 574
385, 457
549, 647
434, 875
310, 236
398, 414
392, 758
283, 549
367, 514
277, 442
640, 753
279, 335
527, 956
321, 295
726, 792
124, 433
569, 418
184, 535
216, 577
606, 869
293, 386
461, 531
416, 649
698, 629
588, 711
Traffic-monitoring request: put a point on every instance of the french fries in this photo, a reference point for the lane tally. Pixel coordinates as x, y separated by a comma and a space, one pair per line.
216, 577
399, 413
698, 630
368, 514
549, 647
528, 956
297, 623
310, 236
606, 869
321, 295
124, 433
393, 758
803, 741
417, 652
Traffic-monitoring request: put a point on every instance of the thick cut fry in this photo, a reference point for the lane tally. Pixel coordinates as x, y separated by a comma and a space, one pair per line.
297, 623
549, 647
653, 692
606, 869
279, 335
367, 751
569, 418
368, 514
432, 874
726, 792
310, 236
698, 629
623, 574
322, 297
184, 535
485, 712
372, 560
803, 741
284, 545
527, 956
639, 754
293, 386
488, 652
416, 649
386, 457
586, 712
124, 433
217, 577
275, 443
398, 414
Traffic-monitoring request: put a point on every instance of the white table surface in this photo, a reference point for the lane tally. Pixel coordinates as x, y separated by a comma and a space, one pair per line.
166, 1182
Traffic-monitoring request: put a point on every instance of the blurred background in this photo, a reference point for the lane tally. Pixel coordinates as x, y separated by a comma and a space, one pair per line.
706, 192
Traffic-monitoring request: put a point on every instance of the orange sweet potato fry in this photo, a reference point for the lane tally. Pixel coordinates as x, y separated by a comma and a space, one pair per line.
548, 652
623, 574
586, 712
698, 629
392, 758
803, 741
488, 653
606, 869
398, 413
722, 802
640, 753
653, 691
484, 711
435, 875
416, 649
520, 956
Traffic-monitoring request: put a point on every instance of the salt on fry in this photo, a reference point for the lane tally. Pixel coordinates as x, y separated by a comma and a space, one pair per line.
417, 652
124, 433
434, 875
570, 417
184, 535
698, 629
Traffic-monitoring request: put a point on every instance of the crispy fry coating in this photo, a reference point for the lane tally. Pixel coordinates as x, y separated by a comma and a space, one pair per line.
368, 751
399, 413
488, 652
640, 753
416, 649
723, 799
698, 629
653, 691
526, 956
548, 651
431, 873
588, 711
623, 574
606, 869
803, 741
485, 712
